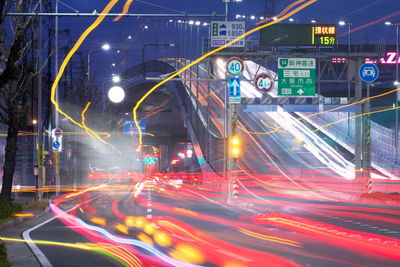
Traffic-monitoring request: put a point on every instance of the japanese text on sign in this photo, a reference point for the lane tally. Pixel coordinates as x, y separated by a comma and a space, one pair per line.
222, 32
296, 76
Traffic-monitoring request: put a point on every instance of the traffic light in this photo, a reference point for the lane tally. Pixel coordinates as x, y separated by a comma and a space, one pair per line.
149, 160
235, 147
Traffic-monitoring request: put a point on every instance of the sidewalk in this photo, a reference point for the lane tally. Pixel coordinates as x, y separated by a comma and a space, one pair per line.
19, 254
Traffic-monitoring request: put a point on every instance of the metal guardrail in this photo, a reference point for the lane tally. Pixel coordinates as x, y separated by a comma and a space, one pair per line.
211, 145
382, 138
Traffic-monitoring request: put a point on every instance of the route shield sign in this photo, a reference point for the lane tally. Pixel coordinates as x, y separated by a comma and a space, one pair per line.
369, 72
222, 32
264, 82
296, 76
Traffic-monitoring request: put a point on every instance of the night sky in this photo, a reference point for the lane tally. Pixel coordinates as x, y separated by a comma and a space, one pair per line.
358, 12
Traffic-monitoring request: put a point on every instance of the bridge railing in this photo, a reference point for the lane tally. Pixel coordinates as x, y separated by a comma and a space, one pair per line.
211, 145
383, 139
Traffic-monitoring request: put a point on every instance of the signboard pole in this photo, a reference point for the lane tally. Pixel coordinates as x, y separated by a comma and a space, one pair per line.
40, 157
358, 129
232, 161
226, 144
367, 137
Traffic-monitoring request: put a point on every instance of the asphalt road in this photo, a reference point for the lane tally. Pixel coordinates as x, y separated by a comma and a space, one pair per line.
276, 230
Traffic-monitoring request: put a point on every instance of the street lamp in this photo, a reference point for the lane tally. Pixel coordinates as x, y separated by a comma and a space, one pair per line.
396, 83
105, 47
348, 24
226, 6
116, 79
388, 23
116, 94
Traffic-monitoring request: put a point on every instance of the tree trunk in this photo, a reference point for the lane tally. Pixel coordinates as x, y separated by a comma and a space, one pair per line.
10, 158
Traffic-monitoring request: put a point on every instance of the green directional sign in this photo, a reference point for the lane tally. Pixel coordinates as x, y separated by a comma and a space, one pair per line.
296, 77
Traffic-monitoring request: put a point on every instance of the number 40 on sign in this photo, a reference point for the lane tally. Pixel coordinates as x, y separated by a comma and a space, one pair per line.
235, 66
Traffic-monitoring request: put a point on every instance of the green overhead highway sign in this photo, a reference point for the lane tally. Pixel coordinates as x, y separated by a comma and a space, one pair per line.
296, 77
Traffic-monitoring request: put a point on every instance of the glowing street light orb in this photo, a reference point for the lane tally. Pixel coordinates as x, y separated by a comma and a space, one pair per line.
106, 47
116, 79
116, 94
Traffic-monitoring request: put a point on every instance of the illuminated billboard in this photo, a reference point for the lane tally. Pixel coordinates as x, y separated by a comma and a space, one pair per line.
299, 35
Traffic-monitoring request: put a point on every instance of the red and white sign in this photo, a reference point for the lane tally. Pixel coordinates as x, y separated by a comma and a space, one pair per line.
57, 133
264, 82
235, 66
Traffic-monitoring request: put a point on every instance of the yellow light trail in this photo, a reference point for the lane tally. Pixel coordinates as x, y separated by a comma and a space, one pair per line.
207, 55
331, 110
92, 133
124, 10
273, 128
283, 11
319, 113
106, 249
66, 60
271, 238
355, 116
250, 132
209, 73
86, 190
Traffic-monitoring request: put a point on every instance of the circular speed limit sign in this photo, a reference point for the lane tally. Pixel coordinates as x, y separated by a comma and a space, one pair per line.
264, 82
235, 66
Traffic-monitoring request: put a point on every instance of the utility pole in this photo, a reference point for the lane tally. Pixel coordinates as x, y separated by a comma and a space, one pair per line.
366, 159
269, 8
57, 155
39, 181
358, 124
234, 150
397, 83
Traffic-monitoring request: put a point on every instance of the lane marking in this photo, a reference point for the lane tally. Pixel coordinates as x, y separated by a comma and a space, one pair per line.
35, 249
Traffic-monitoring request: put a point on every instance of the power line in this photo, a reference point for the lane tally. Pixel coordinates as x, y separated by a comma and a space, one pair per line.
95, 14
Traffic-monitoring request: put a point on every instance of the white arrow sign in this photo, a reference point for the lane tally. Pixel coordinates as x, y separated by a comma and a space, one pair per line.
300, 92
235, 86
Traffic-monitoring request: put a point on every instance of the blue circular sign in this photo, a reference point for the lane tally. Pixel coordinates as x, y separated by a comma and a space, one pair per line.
56, 144
369, 72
